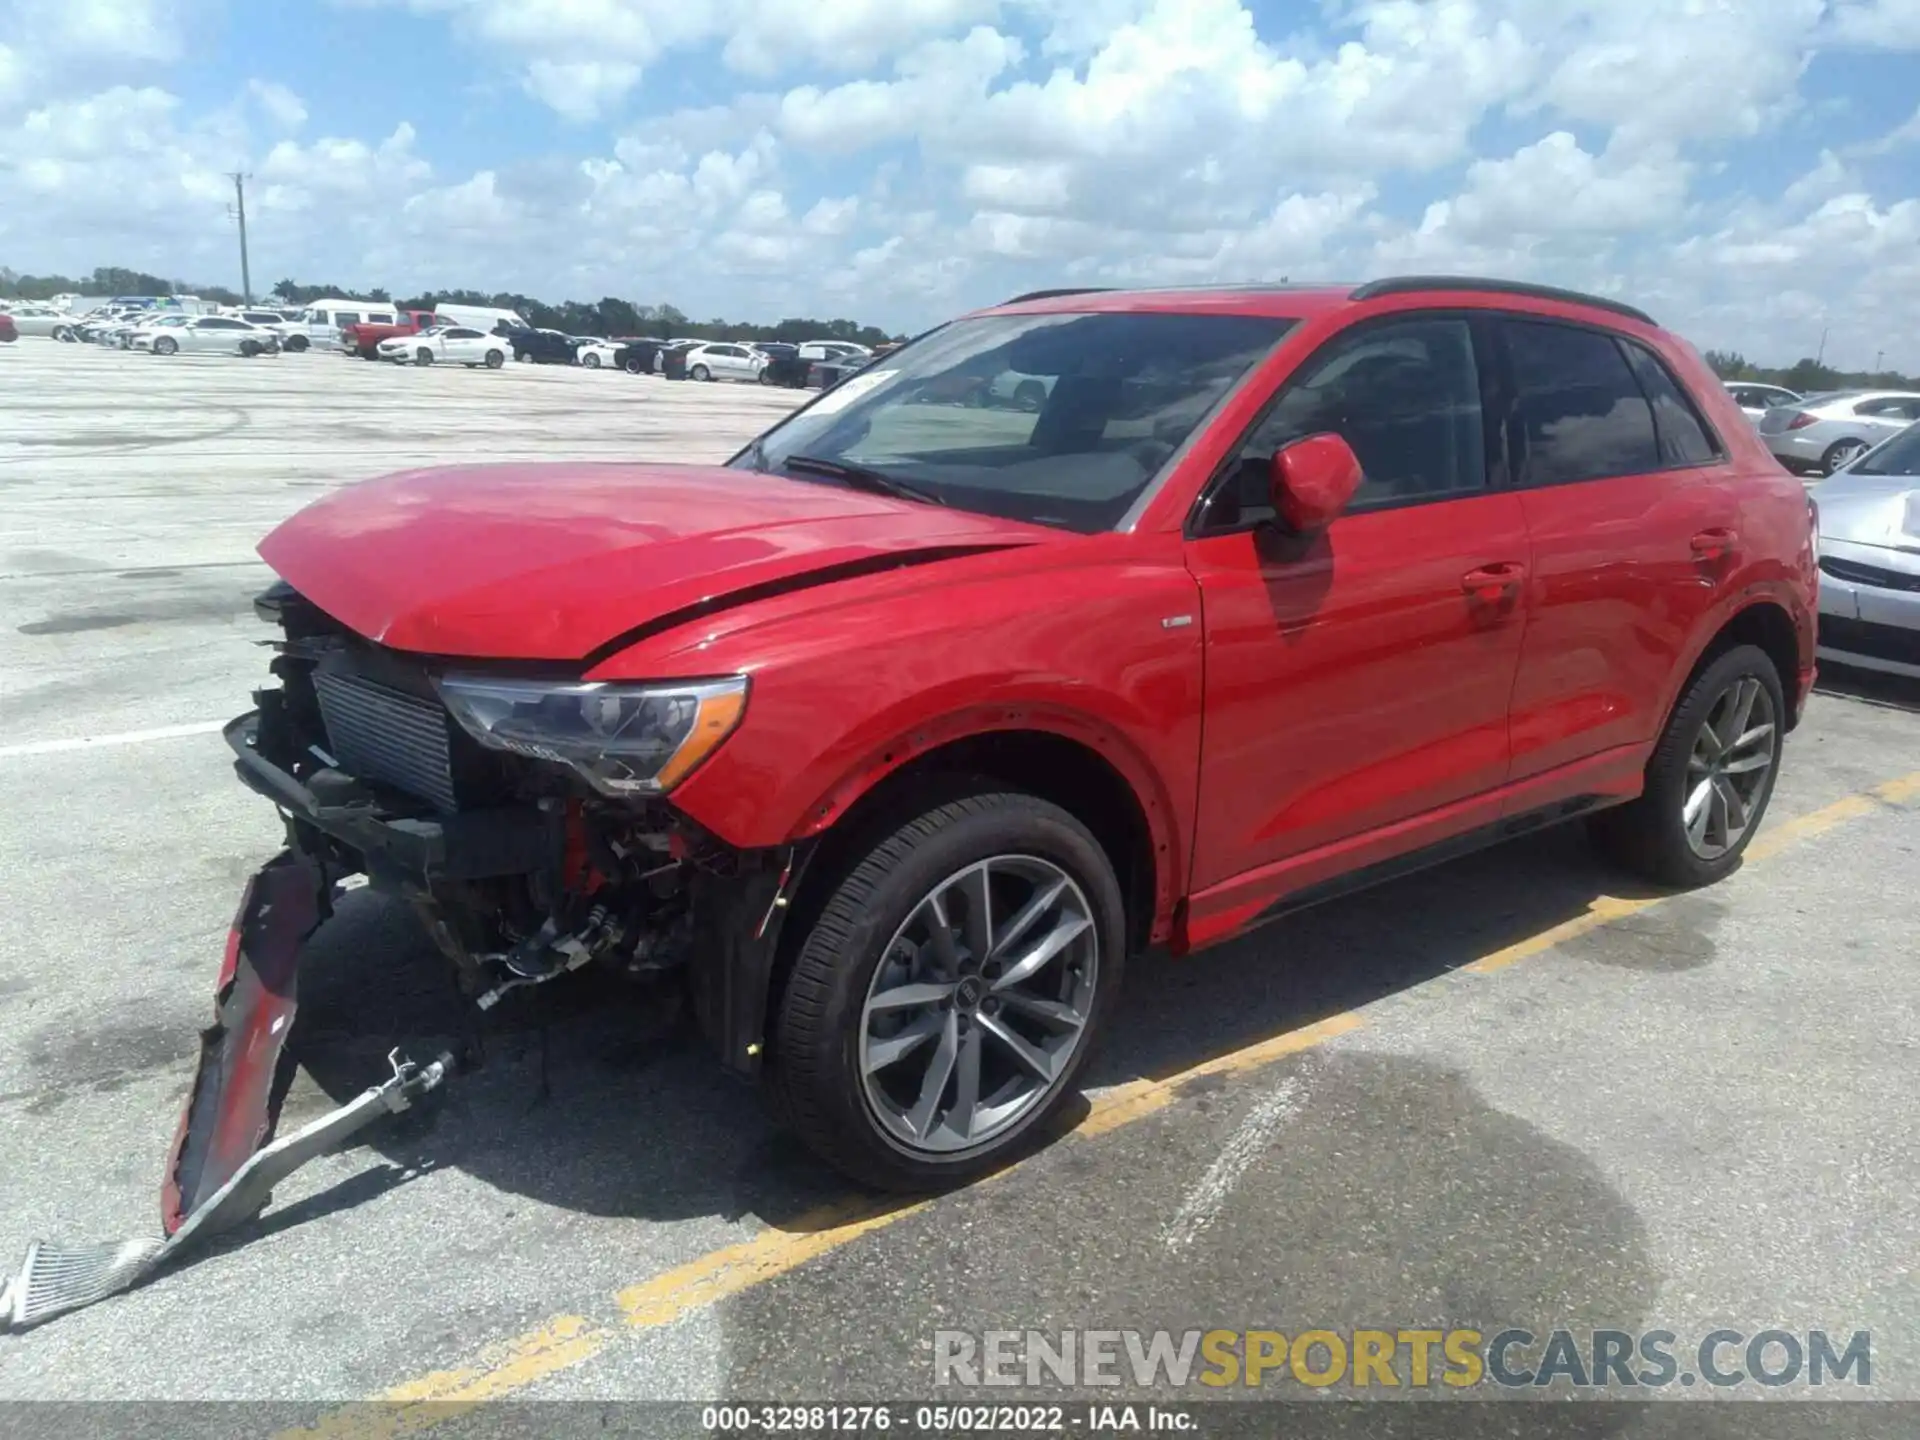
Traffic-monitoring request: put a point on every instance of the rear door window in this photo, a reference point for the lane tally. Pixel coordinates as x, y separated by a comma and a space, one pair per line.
1578, 411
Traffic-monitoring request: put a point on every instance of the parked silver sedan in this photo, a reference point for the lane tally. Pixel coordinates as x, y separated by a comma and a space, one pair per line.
1870, 559
1821, 433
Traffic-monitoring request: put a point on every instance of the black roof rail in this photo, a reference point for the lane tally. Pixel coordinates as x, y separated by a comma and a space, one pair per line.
1054, 294
1409, 284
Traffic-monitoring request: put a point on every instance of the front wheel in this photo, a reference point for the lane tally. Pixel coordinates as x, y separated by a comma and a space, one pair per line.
423, 356
166, 345
949, 992
297, 343
249, 348
1710, 778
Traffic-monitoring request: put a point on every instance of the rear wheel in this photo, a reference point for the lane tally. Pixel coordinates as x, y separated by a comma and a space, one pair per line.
495, 359
633, 366
949, 991
592, 362
423, 356
700, 372
1710, 778
1841, 453
1029, 395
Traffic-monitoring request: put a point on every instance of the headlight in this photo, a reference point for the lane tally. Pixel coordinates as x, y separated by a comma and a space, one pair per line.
623, 739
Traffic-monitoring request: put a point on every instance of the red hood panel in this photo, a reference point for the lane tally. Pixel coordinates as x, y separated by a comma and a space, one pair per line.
547, 562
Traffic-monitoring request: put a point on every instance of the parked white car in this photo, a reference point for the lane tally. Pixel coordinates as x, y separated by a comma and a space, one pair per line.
724, 360
836, 352
595, 353
447, 345
150, 327
207, 335
1755, 399
41, 320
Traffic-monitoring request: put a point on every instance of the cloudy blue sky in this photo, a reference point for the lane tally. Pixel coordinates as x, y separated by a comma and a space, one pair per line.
1748, 169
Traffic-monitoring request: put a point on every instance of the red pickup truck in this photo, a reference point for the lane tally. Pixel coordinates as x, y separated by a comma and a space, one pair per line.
364, 339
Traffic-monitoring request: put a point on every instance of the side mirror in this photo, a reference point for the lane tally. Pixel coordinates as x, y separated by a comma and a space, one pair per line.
1312, 481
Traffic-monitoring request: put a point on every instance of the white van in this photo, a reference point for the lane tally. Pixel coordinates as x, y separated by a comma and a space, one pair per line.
481, 317
320, 325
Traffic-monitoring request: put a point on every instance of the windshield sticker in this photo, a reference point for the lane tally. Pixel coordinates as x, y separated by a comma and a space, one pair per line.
850, 390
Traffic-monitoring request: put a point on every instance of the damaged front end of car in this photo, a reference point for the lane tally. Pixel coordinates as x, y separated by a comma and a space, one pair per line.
522, 816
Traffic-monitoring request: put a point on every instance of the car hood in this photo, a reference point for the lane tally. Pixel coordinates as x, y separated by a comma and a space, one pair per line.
558, 562
1881, 510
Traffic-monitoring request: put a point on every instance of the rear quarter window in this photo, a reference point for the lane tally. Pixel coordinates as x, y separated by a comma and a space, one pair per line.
1683, 436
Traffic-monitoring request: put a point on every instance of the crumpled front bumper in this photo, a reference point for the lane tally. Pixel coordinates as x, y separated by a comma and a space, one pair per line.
234, 1101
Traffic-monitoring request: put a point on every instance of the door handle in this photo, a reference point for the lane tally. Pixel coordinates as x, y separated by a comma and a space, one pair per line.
1714, 544
1490, 583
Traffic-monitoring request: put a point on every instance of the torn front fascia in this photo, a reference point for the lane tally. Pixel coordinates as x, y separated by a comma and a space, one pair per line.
737, 923
230, 1110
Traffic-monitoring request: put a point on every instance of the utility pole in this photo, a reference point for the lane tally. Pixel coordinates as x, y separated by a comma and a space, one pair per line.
1818, 359
240, 212
1878, 356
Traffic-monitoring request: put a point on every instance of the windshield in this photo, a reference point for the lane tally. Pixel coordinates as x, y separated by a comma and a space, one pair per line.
1054, 419
1898, 456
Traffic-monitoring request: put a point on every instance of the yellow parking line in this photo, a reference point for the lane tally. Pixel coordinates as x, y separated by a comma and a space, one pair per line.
565, 1341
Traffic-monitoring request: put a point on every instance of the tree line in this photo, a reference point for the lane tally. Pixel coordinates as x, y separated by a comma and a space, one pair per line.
609, 316
1806, 376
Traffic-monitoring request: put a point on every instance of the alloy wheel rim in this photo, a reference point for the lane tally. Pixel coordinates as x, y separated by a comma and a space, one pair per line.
1729, 768
1845, 454
979, 1004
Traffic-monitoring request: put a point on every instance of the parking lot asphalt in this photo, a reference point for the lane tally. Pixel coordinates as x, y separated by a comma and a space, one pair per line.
1510, 1091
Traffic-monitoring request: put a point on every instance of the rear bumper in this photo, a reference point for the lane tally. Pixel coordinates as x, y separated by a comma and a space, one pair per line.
472, 845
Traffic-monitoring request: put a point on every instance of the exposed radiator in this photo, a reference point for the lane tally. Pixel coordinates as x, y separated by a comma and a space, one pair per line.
388, 737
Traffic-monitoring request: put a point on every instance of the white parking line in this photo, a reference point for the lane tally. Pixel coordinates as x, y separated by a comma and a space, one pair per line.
95, 742
1249, 1143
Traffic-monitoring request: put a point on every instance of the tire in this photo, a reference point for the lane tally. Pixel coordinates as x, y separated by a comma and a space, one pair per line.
1650, 836
64, 333
297, 343
633, 366
818, 1071
1029, 395
166, 345
495, 359
1839, 453
700, 372
423, 356
249, 348
370, 354
592, 362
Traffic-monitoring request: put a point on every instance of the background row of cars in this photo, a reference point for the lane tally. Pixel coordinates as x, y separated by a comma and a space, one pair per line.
471, 335
1824, 432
